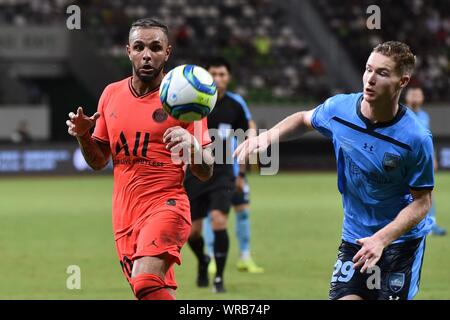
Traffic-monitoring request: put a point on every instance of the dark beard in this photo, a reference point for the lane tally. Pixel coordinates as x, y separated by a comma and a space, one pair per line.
147, 78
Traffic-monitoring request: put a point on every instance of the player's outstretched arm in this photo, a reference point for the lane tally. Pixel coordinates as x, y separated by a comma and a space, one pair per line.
290, 128
408, 218
95, 153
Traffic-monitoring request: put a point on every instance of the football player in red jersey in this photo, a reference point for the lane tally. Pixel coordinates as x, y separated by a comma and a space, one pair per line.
151, 214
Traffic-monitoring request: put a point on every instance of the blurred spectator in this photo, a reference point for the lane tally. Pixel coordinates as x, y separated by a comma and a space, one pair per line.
21, 134
183, 36
262, 44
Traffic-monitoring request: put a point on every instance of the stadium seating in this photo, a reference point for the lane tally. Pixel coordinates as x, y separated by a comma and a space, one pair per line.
426, 29
271, 61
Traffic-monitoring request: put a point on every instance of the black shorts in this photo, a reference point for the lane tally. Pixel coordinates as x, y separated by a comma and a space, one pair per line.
214, 194
243, 197
214, 199
396, 276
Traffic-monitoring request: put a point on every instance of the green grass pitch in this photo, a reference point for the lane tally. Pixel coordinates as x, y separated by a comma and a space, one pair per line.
48, 224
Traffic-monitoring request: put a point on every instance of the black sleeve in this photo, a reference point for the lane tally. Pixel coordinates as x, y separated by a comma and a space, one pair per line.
241, 121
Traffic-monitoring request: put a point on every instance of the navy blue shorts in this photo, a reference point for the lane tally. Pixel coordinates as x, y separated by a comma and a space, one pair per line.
396, 276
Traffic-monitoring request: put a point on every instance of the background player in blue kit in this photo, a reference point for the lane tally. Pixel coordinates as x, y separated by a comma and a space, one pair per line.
385, 175
414, 98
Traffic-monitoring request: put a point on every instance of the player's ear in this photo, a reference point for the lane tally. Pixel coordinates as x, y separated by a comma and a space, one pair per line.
128, 48
404, 80
168, 52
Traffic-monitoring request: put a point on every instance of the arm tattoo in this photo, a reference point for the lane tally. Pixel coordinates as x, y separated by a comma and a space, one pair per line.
92, 152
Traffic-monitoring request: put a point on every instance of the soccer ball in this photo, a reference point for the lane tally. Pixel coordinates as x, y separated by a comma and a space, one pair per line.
188, 93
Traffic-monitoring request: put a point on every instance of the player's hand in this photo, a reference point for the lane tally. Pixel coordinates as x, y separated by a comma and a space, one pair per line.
252, 146
368, 256
79, 123
178, 139
240, 184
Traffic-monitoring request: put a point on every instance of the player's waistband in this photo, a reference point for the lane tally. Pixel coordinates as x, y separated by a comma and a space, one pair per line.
177, 205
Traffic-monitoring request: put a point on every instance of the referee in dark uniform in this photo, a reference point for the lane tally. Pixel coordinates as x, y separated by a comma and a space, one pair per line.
214, 196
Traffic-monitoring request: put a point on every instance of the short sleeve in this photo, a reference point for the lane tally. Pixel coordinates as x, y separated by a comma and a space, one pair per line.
199, 129
421, 176
322, 116
243, 115
244, 107
242, 121
100, 130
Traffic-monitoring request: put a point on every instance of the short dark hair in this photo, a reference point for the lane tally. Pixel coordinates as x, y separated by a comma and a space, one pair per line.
149, 23
404, 59
218, 62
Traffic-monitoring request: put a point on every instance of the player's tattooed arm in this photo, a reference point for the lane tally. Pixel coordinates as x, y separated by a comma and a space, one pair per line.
95, 153
180, 141
203, 167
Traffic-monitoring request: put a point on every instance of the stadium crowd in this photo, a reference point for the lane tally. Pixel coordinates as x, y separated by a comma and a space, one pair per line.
272, 61
424, 25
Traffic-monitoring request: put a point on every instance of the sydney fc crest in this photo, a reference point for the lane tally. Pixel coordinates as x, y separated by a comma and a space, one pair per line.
390, 161
396, 281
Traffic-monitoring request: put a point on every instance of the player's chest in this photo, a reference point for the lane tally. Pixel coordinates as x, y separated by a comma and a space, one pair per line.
134, 121
381, 160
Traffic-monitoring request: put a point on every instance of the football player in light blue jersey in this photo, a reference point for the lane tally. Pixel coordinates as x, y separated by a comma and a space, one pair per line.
385, 175
414, 98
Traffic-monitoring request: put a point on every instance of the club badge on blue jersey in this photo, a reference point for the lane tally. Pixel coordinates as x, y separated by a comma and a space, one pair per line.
396, 281
390, 161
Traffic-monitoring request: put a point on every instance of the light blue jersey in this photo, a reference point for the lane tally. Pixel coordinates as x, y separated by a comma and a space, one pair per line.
377, 164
